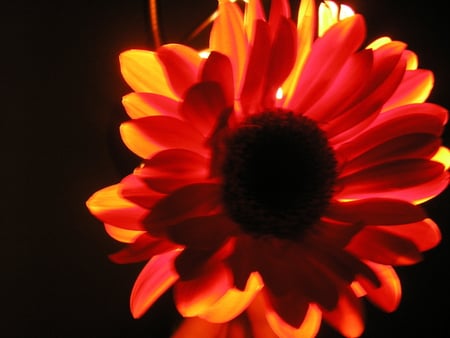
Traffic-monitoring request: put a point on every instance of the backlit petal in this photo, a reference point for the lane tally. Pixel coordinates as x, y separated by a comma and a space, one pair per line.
148, 135
156, 277
110, 207
181, 64
139, 105
143, 72
121, 234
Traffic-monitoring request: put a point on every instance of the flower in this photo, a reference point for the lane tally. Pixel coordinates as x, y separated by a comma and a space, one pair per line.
286, 169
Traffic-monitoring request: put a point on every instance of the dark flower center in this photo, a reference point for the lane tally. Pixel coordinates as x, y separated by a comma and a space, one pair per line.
279, 172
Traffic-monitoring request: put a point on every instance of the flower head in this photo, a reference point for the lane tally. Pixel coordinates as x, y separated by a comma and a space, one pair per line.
284, 171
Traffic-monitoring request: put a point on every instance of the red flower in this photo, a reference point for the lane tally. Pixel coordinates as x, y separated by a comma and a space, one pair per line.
286, 168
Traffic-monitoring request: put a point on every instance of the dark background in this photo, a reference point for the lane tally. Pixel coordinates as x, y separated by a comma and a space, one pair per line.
61, 90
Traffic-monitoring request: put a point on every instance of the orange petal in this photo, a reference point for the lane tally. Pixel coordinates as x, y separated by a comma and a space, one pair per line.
143, 72
123, 235
156, 277
194, 297
291, 307
387, 296
134, 189
306, 24
309, 327
414, 88
233, 302
442, 156
181, 64
253, 12
197, 327
380, 246
376, 211
228, 37
139, 105
347, 317
111, 208
147, 135
190, 201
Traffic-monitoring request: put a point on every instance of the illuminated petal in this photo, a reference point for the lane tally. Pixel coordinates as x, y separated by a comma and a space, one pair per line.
376, 211
203, 104
218, 68
387, 296
412, 146
190, 201
108, 206
148, 135
282, 58
171, 169
411, 119
327, 57
380, 246
344, 88
336, 232
139, 105
253, 12
291, 307
252, 89
197, 327
414, 88
408, 180
195, 296
143, 72
347, 317
204, 232
279, 9
425, 234
328, 16
156, 277
305, 35
181, 64
233, 302
123, 235
134, 189
143, 248
443, 156
228, 37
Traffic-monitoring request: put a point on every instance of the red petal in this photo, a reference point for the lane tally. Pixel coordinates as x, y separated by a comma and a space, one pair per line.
380, 246
333, 231
291, 307
144, 248
181, 64
195, 296
218, 68
148, 135
110, 207
279, 10
203, 232
376, 211
156, 278
412, 146
203, 104
195, 200
282, 58
254, 83
327, 57
387, 296
173, 168
425, 234
408, 180
343, 89
140, 105
424, 118
134, 189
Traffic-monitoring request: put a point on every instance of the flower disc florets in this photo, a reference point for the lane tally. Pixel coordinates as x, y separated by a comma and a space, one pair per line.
279, 172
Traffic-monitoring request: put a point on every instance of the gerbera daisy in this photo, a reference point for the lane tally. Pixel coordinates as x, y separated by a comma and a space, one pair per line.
283, 169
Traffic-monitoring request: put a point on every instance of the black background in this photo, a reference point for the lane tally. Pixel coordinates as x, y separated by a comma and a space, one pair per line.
60, 110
